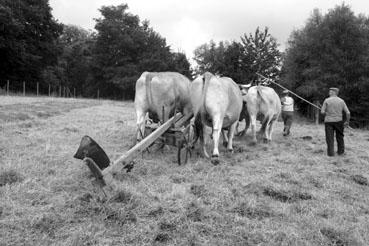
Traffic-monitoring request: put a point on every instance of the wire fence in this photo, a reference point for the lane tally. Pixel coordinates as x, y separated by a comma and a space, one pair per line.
22, 88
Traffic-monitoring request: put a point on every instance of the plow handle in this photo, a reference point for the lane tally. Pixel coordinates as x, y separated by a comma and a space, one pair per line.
146, 142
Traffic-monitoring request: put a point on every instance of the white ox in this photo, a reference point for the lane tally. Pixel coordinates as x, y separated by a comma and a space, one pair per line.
159, 94
264, 100
218, 102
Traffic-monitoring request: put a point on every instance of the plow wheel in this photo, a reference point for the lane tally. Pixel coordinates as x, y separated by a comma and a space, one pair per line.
184, 149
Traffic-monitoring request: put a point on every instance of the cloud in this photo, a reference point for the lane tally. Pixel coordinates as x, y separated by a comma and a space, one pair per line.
188, 24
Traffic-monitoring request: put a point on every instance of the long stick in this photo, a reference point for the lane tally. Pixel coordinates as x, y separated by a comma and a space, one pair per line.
141, 146
293, 93
312, 104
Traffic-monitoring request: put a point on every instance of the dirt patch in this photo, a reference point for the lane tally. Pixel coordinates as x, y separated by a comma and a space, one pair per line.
338, 238
178, 179
122, 197
10, 177
286, 196
359, 179
307, 138
194, 212
198, 190
119, 217
162, 237
260, 211
167, 225
47, 223
155, 212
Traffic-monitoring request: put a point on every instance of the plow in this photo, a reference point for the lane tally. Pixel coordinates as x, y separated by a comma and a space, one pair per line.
177, 131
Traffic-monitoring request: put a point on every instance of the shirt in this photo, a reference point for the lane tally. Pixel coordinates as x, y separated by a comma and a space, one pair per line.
287, 104
332, 108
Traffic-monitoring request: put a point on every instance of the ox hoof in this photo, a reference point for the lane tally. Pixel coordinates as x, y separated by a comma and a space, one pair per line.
230, 151
215, 160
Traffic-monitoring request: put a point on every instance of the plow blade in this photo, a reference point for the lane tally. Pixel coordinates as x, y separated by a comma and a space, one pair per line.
98, 162
89, 148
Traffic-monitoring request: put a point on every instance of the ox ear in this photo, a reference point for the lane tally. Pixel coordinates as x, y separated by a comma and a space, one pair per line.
244, 88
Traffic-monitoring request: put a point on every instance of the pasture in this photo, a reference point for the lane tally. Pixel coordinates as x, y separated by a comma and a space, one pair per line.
287, 192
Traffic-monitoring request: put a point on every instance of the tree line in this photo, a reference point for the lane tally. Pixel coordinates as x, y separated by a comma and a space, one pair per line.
34, 47
331, 49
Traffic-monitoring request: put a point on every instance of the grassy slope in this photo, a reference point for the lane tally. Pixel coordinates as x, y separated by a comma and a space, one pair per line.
284, 193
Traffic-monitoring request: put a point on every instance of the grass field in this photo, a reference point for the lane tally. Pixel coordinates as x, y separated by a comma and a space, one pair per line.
287, 192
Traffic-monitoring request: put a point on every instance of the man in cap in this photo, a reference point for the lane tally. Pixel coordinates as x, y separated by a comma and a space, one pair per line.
287, 112
333, 108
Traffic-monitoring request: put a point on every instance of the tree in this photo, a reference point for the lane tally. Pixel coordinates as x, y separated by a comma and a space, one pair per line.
260, 54
331, 50
241, 60
210, 58
124, 49
28, 34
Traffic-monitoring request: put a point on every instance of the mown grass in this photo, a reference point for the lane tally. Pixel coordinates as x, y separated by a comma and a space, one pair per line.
287, 192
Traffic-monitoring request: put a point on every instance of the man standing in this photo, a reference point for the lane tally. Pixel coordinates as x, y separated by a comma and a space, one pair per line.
333, 108
287, 112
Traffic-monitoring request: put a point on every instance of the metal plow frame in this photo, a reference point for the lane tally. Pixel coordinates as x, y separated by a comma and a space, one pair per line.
105, 177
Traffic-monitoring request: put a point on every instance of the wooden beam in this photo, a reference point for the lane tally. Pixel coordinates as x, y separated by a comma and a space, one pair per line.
126, 158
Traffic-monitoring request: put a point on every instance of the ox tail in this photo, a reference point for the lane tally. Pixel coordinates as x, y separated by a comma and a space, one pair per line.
260, 93
149, 77
205, 86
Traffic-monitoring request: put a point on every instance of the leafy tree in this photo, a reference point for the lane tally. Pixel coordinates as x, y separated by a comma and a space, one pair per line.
241, 60
210, 57
28, 34
260, 54
180, 64
331, 50
73, 66
126, 47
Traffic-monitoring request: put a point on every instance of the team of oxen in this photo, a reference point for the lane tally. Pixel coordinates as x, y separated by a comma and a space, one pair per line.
216, 102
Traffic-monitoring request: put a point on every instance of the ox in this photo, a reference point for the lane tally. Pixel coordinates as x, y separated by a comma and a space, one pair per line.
160, 94
262, 100
217, 102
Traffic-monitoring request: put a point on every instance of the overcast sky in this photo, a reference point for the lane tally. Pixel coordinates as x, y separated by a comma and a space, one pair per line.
186, 24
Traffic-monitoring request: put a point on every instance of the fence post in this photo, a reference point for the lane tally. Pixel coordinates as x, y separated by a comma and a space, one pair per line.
7, 87
24, 88
98, 94
49, 90
37, 88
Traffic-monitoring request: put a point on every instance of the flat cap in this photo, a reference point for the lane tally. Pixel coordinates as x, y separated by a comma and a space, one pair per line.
285, 91
335, 89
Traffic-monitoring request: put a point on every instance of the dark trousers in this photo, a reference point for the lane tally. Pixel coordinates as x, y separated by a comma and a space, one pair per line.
332, 128
287, 117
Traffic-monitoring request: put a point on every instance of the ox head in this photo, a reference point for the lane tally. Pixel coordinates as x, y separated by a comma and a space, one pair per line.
244, 88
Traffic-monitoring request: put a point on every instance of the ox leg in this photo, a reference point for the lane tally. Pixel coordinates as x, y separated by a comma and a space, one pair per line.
264, 128
217, 127
253, 128
202, 141
225, 138
231, 131
270, 129
140, 125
